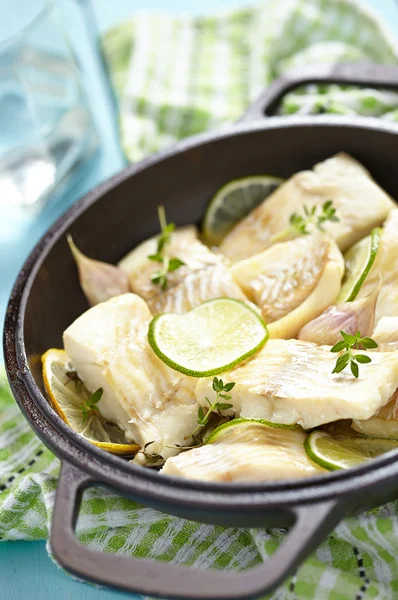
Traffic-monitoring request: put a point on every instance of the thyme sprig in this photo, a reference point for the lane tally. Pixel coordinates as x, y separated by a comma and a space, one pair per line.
349, 344
313, 218
73, 377
203, 417
151, 457
89, 407
168, 264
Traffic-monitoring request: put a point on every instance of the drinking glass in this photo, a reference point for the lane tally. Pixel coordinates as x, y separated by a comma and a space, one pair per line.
46, 129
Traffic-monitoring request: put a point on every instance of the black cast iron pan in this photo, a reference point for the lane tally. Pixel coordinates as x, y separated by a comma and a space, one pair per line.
106, 224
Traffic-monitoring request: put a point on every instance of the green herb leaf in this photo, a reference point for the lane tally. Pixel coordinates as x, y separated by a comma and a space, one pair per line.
96, 396
156, 257
217, 384
349, 344
341, 363
168, 264
203, 418
228, 386
350, 340
223, 405
338, 347
354, 368
201, 415
174, 264
367, 342
362, 358
151, 457
88, 407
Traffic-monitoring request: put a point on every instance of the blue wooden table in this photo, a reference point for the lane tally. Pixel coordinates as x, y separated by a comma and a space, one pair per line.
26, 572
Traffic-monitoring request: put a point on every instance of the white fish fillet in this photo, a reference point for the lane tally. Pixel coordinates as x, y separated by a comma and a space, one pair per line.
386, 265
204, 276
386, 334
184, 245
290, 381
385, 421
292, 282
248, 453
384, 424
361, 205
207, 284
108, 347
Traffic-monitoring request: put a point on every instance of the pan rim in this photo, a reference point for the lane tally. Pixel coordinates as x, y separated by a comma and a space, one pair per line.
139, 480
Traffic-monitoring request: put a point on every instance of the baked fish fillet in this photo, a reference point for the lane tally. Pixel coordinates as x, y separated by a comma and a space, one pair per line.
360, 205
291, 381
292, 282
385, 422
109, 349
249, 452
207, 284
204, 276
386, 334
386, 265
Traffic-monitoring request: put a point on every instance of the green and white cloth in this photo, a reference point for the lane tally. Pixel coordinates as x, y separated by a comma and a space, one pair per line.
175, 77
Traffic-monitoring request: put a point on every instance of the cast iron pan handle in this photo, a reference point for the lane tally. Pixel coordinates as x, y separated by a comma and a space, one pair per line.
366, 74
313, 523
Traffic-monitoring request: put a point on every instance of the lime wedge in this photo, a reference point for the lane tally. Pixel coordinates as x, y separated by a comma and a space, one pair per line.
212, 338
358, 262
67, 396
233, 202
228, 428
343, 452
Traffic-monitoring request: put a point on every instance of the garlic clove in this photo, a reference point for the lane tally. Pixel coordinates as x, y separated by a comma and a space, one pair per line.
99, 280
350, 317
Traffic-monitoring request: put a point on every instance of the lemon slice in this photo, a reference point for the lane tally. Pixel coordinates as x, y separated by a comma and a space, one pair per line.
358, 262
228, 428
212, 338
67, 397
343, 452
233, 202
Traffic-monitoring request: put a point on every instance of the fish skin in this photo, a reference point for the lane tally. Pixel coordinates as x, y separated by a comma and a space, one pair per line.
292, 282
253, 453
149, 401
291, 382
360, 205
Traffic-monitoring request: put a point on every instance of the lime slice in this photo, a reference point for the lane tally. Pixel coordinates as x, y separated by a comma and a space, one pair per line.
358, 262
67, 396
343, 452
234, 201
212, 338
228, 428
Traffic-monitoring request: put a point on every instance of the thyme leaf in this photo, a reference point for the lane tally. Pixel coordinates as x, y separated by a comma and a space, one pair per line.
350, 344
214, 407
168, 265
89, 406
314, 218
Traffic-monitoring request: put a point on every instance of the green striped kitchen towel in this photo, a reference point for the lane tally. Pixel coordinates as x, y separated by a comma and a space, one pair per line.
174, 77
